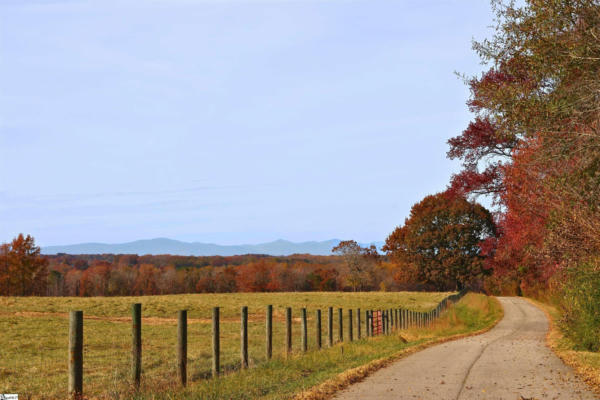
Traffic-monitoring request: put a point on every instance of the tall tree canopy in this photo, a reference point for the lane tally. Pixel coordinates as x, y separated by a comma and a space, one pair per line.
442, 239
534, 143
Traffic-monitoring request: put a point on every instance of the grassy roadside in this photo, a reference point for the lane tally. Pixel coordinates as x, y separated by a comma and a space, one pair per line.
34, 339
317, 375
585, 363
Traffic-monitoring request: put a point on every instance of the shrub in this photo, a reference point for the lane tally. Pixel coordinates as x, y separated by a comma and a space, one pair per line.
581, 306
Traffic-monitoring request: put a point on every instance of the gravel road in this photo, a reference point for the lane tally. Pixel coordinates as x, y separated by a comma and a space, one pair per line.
510, 362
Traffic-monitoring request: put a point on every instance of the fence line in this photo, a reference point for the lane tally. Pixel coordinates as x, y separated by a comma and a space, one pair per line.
377, 322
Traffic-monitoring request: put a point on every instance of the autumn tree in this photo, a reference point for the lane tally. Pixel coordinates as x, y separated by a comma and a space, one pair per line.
442, 238
4, 269
23, 271
254, 277
359, 262
535, 137
146, 282
323, 280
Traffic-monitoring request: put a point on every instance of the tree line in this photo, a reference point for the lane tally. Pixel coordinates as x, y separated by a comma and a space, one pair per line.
26, 272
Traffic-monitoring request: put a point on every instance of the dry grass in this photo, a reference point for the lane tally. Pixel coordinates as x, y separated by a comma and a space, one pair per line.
585, 363
35, 335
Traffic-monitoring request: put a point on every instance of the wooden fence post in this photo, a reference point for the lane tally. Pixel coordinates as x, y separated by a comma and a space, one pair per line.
368, 323
76, 354
372, 323
340, 325
358, 323
244, 338
304, 331
387, 316
350, 326
216, 343
318, 329
387, 322
330, 326
288, 331
402, 319
182, 346
136, 350
372, 316
269, 332
401, 312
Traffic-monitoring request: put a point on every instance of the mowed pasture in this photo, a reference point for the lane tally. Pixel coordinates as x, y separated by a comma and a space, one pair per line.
35, 335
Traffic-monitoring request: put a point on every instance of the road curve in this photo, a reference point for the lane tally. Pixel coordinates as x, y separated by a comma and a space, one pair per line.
510, 362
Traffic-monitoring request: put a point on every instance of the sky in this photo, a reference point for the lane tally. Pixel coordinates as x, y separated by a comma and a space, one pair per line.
228, 121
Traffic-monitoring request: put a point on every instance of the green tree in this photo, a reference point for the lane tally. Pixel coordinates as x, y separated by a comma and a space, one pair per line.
442, 238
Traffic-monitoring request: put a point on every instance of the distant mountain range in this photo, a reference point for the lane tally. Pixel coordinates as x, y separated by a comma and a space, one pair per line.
176, 247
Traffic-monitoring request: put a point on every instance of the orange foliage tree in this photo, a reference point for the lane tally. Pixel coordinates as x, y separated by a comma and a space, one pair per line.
23, 271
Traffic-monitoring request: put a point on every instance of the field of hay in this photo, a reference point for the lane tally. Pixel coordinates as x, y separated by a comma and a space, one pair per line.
35, 337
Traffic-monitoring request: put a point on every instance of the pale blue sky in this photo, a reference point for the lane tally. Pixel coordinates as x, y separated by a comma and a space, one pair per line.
228, 121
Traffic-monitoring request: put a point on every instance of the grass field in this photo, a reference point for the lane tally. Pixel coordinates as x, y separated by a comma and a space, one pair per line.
35, 337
